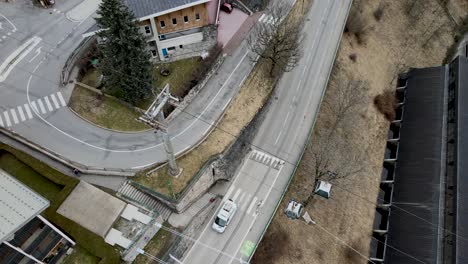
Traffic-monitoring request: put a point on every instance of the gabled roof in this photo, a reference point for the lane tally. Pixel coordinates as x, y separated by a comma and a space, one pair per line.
18, 205
143, 9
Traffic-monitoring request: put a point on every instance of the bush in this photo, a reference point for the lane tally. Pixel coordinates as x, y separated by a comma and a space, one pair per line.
378, 13
386, 104
274, 245
353, 57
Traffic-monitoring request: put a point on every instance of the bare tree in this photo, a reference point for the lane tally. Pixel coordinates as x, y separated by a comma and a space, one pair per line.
276, 41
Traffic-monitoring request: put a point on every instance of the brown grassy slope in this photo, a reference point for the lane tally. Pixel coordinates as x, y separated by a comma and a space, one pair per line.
392, 45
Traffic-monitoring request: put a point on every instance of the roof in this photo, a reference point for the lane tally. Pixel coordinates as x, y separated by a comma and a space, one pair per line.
462, 166
18, 205
143, 9
419, 171
92, 208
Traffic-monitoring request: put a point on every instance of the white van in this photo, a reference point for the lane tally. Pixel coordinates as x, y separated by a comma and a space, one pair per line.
224, 216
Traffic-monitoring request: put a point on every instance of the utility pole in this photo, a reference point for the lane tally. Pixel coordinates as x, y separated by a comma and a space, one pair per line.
154, 117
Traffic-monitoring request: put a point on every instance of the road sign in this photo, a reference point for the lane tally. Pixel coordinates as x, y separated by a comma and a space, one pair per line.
247, 248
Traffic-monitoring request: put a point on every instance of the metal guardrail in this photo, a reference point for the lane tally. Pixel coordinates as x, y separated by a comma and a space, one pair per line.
71, 61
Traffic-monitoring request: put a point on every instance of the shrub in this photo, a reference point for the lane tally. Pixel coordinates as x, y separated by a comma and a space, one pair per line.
386, 104
353, 57
378, 13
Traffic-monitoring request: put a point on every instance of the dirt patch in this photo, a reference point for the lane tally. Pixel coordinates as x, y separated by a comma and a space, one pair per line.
245, 105
398, 38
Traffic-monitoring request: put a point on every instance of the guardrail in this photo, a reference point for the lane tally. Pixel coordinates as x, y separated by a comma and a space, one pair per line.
71, 61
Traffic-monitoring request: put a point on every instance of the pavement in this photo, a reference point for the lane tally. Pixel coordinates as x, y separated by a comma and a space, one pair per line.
259, 184
32, 101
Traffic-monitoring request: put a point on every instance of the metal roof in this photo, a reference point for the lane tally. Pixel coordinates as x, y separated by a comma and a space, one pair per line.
18, 205
419, 172
462, 166
145, 8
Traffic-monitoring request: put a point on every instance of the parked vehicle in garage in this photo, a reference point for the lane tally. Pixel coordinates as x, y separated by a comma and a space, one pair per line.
224, 216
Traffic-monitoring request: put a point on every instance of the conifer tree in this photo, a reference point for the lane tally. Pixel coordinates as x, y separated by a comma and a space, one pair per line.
125, 61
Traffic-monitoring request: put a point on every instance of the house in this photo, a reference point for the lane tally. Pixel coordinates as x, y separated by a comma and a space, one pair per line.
26, 236
174, 29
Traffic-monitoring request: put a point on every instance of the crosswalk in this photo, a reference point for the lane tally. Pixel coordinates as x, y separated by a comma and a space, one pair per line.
266, 159
22, 113
245, 201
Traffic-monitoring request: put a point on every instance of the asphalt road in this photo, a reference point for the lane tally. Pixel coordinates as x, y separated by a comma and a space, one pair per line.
259, 183
38, 42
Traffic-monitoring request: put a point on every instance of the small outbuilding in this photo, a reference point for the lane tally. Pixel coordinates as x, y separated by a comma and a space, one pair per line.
323, 189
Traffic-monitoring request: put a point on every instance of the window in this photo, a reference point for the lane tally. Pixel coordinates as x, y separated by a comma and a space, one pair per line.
174, 21
147, 30
181, 46
171, 48
162, 23
162, 37
185, 19
197, 16
154, 53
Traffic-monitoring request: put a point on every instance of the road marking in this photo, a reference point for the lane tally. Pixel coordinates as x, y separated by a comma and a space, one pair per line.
13, 25
243, 80
261, 18
13, 114
21, 113
7, 118
41, 105
241, 198
60, 97
28, 111
252, 204
49, 105
281, 131
247, 200
1, 122
236, 195
34, 107
54, 100
14, 58
38, 51
226, 196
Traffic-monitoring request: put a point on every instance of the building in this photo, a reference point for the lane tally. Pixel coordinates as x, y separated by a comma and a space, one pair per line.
174, 29
26, 236
422, 214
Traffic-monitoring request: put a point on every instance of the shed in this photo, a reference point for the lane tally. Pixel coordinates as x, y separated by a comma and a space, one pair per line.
323, 189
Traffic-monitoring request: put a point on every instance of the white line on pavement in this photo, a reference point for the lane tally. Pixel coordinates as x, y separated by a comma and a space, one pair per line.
281, 131
7, 118
247, 200
60, 97
236, 195
13, 114
34, 107
241, 198
261, 18
54, 100
49, 105
226, 196
41, 105
17, 55
21, 113
1, 122
252, 204
13, 25
28, 111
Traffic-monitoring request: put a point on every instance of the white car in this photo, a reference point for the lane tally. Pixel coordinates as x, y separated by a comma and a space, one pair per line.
224, 216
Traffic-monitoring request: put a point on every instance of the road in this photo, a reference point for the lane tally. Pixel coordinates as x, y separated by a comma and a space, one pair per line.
37, 42
258, 186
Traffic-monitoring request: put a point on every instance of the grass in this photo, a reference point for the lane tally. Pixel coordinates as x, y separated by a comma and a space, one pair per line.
157, 246
28, 170
80, 256
241, 111
181, 74
105, 111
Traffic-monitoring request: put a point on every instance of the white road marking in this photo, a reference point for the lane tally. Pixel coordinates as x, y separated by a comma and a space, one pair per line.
241, 198
237, 194
247, 200
54, 100
34, 107
281, 131
38, 51
7, 118
14, 58
21, 113
243, 80
41, 105
1, 122
261, 18
13, 114
252, 204
28, 111
13, 25
49, 105
226, 196
60, 97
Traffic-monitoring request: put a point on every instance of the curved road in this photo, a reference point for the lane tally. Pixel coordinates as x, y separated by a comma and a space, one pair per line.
38, 42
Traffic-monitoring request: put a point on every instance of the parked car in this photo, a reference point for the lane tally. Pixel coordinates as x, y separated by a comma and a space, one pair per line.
227, 8
224, 216
46, 3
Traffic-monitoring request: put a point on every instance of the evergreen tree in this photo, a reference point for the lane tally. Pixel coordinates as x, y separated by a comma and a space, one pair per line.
124, 59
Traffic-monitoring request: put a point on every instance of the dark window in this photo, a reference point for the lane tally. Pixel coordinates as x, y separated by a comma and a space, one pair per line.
197, 16
174, 21
171, 48
162, 37
181, 46
162, 23
154, 53
147, 29
186, 19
